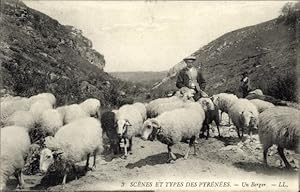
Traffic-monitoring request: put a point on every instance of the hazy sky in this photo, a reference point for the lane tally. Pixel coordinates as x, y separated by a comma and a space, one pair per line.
156, 35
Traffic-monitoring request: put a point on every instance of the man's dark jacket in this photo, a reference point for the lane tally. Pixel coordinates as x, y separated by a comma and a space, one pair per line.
183, 79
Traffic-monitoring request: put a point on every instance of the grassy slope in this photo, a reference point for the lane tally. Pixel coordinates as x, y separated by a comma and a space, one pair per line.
267, 51
38, 54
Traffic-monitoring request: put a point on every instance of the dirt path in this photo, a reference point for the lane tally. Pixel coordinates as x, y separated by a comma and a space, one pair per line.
148, 164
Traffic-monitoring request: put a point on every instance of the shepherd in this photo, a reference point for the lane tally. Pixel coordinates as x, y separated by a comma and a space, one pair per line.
245, 84
191, 77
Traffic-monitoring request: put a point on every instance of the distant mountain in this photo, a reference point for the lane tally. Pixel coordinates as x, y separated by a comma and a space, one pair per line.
267, 51
38, 54
143, 77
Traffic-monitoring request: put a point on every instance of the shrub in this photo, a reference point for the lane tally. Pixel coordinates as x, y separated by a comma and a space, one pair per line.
284, 87
289, 13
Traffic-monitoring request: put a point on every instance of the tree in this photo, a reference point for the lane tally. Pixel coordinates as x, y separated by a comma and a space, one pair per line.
290, 12
287, 9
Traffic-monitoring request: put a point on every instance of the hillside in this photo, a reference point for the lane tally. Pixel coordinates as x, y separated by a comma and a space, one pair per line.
267, 51
38, 54
142, 77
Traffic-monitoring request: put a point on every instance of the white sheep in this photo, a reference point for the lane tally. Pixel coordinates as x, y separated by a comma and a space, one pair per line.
62, 110
51, 120
261, 105
72, 112
15, 144
172, 126
6, 97
11, 105
129, 121
152, 105
160, 105
163, 107
46, 96
224, 101
73, 143
38, 107
22, 119
92, 107
280, 126
211, 114
244, 114
142, 109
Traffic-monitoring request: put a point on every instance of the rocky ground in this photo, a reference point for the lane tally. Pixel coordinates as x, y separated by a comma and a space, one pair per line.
227, 160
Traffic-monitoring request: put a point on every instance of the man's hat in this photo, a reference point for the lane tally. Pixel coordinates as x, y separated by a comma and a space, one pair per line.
193, 58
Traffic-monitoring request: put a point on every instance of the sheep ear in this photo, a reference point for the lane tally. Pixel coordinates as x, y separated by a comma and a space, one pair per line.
154, 121
127, 123
57, 153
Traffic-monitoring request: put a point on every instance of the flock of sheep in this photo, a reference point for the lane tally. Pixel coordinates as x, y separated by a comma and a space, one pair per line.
72, 133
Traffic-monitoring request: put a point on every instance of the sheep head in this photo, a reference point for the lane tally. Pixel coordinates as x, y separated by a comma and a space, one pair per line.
47, 158
122, 126
150, 129
248, 119
207, 104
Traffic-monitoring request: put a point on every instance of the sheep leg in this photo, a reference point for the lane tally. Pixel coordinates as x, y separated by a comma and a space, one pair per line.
64, 180
171, 154
87, 162
125, 150
76, 172
191, 144
21, 180
229, 121
19, 176
221, 114
125, 147
94, 163
130, 145
266, 148
207, 131
217, 123
238, 132
242, 131
187, 153
250, 133
281, 153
